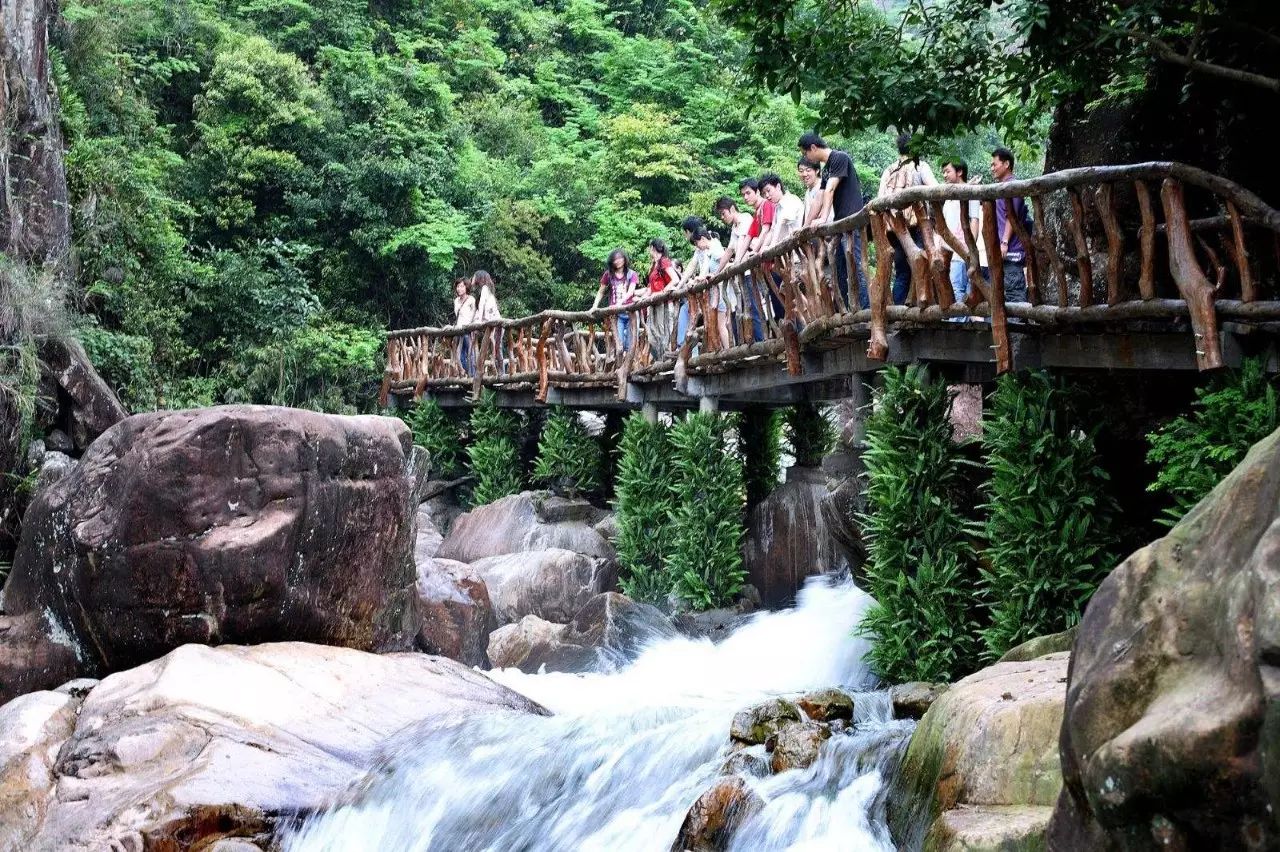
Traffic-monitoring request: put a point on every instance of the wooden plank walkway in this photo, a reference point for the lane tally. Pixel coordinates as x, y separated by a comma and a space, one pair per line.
1190, 284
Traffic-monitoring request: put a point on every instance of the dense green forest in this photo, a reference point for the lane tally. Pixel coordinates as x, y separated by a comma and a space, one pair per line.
261, 187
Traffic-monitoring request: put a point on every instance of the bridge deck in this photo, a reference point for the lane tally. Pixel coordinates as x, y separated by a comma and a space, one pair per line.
814, 340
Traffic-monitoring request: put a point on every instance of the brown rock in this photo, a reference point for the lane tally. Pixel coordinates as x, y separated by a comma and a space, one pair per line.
757, 723
990, 828
530, 521
229, 524
532, 644
1171, 733
912, 700
89, 406
452, 610
620, 627
716, 815
551, 584
208, 744
788, 539
796, 745
826, 705
30, 658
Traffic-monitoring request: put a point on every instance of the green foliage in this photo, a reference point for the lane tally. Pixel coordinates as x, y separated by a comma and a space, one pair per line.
569, 460
493, 452
1048, 513
1195, 451
760, 442
644, 502
809, 434
922, 569
438, 434
705, 560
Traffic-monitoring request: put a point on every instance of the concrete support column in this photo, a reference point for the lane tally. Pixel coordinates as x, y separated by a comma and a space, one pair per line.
861, 399
709, 404
649, 411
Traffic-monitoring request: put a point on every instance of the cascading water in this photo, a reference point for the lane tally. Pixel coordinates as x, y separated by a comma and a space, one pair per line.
626, 753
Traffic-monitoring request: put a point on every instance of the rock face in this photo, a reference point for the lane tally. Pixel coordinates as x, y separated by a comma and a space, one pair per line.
710, 823
231, 524
988, 742
1054, 643
757, 723
215, 743
551, 584
452, 612
529, 521
912, 700
796, 745
1171, 735
788, 539
610, 630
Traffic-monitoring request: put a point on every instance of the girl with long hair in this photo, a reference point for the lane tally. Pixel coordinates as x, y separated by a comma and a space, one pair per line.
487, 311
619, 281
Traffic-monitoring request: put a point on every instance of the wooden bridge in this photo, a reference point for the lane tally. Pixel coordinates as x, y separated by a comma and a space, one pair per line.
1186, 279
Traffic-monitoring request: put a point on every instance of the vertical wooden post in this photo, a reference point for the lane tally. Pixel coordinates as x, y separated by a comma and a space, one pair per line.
1084, 263
878, 346
1190, 278
1147, 241
1248, 287
708, 404
995, 289
1106, 204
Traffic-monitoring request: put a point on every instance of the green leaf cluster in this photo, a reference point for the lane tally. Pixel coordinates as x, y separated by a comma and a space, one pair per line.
437, 433
1048, 514
922, 566
644, 502
1195, 451
569, 460
760, 442
810, 434
493, 453
705, 560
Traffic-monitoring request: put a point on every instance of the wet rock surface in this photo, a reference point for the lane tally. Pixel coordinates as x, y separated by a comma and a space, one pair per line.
788, 539
912, 700
453, 616
215, 744
717, 813
826, 705
754, 725
1171, 733
525, 522
552, 584
226, 524
796, 745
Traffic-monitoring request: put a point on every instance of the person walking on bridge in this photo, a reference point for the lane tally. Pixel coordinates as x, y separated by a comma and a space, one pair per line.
619, 281
904, 174
487, 311
1012, 249
841, 198
662, 274
464, 313
958, 215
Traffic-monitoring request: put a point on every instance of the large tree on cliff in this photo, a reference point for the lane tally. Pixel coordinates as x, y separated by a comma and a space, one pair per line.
938, 66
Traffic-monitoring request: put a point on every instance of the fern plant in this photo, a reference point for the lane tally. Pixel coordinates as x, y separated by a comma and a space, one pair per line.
644, 501
1048, 512
922, 568
1195, 451
569, 461
493, 453
809, 434
760, 442
705, 562
437, 433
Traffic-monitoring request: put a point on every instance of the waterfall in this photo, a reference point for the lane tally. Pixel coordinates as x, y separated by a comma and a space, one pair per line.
627, 752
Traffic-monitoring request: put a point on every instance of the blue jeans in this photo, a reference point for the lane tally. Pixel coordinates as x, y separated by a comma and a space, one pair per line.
757, 321
464, 355
842, 270
624, 331
902, 266
682, 323
959, 279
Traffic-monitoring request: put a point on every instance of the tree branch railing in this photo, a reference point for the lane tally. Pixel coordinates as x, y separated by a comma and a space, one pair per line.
807, 288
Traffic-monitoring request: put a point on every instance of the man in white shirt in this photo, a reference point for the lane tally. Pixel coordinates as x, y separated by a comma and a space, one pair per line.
957, 172
814, 214
789, 216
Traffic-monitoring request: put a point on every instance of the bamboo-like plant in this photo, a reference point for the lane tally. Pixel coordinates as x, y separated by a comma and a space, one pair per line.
809, 434
569, 460
1048, 512
643, 502
922, 568
1195, 451
437, 433
760, 441
705, 562
494, 457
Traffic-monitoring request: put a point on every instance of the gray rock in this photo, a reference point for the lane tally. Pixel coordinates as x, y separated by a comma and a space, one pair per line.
826, 705
796, 745
1054, 643
552, 584
788, 539
517, 524
757, 723
452, 613
912, 700
533, 644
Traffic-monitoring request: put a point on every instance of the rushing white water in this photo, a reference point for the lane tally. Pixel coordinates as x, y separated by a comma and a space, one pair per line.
626, 753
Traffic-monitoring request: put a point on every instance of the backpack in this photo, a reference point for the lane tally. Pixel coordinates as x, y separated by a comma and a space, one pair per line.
904, 176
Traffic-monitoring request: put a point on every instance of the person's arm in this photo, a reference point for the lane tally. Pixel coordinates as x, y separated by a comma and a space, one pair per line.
629, 289
829, 198
1006, 233
599, 295
926, 175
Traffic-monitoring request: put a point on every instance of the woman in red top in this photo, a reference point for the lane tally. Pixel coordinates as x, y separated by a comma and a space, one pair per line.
662, 274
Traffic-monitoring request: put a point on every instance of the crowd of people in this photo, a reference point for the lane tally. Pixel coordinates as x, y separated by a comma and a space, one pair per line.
766, 214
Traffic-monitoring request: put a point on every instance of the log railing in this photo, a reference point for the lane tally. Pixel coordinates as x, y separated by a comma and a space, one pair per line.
773, 304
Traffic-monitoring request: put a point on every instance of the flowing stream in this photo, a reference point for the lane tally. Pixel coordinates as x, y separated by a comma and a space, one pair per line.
627, 752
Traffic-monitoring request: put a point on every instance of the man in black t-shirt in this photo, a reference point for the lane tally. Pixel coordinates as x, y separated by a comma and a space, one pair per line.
842, 197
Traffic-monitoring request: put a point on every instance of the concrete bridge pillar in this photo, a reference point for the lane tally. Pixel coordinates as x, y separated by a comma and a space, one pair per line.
709, 404
649, 411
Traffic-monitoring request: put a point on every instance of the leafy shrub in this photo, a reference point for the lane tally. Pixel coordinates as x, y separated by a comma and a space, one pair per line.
1195, 451
438, 434
495, 459
569, 460
705, 561
760, 442
809, 433
921, 568
1048, 516
644, 503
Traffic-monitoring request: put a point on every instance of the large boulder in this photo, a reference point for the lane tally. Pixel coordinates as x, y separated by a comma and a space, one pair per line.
1172, 729
230, 524
788, 539
529, 521
988, 742
452, 613
552, 584
609, 631
716, 815
211, 743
